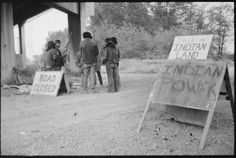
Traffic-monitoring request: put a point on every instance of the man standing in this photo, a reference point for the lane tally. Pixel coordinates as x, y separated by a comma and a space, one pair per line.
88, 53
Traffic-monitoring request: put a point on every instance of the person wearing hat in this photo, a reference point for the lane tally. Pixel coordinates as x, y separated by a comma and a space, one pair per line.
88, 53
111, 59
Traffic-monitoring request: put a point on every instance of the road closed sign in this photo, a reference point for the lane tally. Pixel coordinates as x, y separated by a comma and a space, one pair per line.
46, 83
191, 47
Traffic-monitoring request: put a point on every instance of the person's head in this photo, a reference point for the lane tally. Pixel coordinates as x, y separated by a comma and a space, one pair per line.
50, 45
114, 40
87, 35
107, 39
110, 43
57, 43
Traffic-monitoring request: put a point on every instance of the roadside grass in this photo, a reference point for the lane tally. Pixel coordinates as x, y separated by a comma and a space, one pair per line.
128, 66
135, 66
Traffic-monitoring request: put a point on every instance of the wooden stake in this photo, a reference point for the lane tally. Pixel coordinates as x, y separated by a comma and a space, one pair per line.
229, 90
146, 107
205, 130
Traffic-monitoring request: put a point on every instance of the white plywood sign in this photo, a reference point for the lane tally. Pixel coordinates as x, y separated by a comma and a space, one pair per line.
46, 83
191, 47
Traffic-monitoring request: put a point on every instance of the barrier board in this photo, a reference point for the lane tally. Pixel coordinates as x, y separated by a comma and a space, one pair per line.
191, 47
47, 83
192, 84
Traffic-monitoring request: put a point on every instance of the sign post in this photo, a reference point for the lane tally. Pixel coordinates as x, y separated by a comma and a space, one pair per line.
49, 83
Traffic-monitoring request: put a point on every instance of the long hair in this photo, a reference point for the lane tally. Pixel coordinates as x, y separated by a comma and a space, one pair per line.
114, 40
50, 45
110, 43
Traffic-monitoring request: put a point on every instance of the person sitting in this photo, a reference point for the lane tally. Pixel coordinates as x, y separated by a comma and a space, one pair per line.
50, 58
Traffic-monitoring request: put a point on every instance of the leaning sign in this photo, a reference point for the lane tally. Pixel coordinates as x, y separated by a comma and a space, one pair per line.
190, 47
191, 84
46, 83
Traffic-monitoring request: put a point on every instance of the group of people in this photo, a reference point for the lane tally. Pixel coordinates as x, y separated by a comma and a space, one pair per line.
89, 60
54, 59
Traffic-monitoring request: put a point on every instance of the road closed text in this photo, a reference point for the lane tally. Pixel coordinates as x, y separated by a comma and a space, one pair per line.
44, 88
46, 83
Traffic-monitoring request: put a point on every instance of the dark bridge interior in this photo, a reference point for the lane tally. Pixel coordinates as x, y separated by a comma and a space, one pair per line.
23, 10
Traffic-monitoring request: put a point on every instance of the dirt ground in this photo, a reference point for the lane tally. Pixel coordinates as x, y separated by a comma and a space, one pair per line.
106, 123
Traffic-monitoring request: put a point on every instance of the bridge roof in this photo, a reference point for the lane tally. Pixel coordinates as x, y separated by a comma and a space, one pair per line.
23, 10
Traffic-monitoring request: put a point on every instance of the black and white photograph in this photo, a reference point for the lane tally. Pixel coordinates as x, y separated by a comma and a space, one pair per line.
117, 78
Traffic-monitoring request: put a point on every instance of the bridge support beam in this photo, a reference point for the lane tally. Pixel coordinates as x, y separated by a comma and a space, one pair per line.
74, 27
7, 42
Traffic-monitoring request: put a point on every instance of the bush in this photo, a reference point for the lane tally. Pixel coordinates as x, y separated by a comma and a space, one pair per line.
137, 66
136, 42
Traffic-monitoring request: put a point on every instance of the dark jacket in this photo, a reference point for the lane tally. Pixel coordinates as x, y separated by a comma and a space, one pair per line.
111, 55
50, 57
88, 51
60, 60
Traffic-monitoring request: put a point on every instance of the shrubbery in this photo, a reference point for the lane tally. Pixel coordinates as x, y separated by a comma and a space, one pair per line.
136, 42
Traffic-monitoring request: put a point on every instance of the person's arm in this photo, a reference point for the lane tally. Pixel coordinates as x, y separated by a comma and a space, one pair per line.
55, 54
64, 53
104, 57
78, 59
79, 56
118, 55
96, 53
99, 58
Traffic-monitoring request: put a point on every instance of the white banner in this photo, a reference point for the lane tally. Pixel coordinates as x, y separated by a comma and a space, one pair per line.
191, 47
46, 83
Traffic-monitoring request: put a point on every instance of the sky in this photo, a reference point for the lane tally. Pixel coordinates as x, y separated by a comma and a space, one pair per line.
37, 28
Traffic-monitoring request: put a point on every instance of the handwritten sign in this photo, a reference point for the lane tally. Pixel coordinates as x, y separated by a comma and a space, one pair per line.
46, 82
189, 83
191, 47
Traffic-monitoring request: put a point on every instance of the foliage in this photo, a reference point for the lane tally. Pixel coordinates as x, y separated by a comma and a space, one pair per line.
120, 14
168, 15
137, 66
220, 21
147, 30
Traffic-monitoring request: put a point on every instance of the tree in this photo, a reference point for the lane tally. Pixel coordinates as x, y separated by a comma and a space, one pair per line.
137, 15
110, 13
220, 21
169, 15
120, 14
